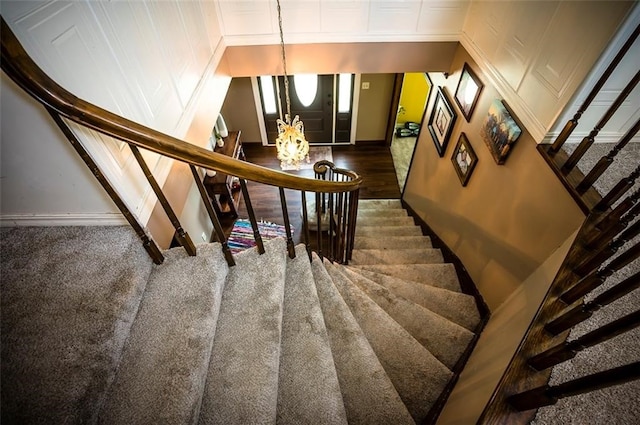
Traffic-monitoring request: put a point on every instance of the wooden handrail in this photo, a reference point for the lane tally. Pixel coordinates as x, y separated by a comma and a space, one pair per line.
17, 64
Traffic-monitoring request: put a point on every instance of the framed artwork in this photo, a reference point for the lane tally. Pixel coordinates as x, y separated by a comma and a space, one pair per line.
441, 121
499, 131
468, 91
464, 159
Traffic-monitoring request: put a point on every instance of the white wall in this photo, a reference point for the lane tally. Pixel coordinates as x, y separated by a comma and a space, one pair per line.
146, 61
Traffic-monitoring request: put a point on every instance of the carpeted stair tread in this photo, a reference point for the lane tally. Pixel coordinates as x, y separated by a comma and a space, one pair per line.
66, 308
416, 374
375, 212
164, 364
379, 203
386, 221
396, 256
368, 394
437, 275
388, 231
445, 339
308, 388
455, 306
242, 382
392, 242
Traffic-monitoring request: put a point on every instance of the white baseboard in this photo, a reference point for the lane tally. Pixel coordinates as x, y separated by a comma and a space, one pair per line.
71, 219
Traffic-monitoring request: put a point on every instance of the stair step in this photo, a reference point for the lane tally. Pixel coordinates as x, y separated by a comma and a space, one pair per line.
396, 256
416, 374
455, 306
242, 382
386, 221
392, 242
308, 388
388, 231
163, 368
379, 203
368, 394
382, 213
445, 339
438, 275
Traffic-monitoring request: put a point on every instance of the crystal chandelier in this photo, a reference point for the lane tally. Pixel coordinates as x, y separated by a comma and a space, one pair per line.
291, 145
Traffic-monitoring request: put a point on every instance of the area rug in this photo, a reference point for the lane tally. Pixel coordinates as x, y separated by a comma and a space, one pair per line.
242, 234
316, 153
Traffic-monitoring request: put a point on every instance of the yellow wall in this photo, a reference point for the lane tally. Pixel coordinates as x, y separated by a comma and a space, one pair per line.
414, 94
509, 218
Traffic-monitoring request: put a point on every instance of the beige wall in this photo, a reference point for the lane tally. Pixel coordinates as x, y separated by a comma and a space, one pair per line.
508, 219
374, 107
498, 343
239, 110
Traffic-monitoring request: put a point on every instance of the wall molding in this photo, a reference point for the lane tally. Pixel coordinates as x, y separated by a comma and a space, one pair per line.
64, 219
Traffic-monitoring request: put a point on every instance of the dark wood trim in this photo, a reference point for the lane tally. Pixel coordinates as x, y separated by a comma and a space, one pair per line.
587, 200
393, 109
468, 287
371, 142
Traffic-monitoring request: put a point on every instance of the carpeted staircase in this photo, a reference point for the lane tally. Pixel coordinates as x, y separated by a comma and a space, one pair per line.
271, 340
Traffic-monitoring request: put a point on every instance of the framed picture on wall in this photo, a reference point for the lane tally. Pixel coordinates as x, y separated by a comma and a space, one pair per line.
464, 159
499, 131
441, 121
468, 91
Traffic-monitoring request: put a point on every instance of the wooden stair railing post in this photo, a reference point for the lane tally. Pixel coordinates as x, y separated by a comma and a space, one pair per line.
606, 161
614, 222
353, 217
547, 395
252, 216
618, 191
568, 350
586, 143
595, 279
181, 235
573, 123
214, 212
285, 215
147, 242
305, 223
594, 261
583, 311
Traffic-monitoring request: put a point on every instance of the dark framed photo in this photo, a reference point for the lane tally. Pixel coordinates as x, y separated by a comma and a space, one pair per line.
464, 159
468, 91
441, 121
500, 131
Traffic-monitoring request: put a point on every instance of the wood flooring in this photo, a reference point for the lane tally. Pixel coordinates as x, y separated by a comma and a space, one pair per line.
373, 162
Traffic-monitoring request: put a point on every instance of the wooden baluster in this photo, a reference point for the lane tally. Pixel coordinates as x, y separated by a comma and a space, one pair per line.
332, 251
340, 226
214, 212
147, 242
573, 123
618, 190
319, 224
583, 311
547, 395
592, 281
594, 261
614, 223
285, 214
606, 160
252, 216
353, 216
182, 236
305, 223
586, 143
568, 350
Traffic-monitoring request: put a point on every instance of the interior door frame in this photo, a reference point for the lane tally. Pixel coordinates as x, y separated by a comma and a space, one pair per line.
355, 102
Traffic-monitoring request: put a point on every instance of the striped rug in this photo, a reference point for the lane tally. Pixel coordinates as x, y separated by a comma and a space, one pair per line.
242, 234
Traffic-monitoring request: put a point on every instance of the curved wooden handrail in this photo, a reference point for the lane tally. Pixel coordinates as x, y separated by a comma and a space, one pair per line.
17, 64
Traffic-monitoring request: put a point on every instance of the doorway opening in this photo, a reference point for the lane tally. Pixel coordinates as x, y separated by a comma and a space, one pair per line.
409, 118
323, 102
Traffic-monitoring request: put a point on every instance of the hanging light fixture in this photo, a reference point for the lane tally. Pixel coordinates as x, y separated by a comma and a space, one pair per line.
291, 145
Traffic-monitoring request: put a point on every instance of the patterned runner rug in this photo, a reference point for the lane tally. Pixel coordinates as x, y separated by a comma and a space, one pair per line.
241, 237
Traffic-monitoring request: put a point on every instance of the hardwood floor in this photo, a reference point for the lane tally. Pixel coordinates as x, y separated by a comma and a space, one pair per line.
374, 163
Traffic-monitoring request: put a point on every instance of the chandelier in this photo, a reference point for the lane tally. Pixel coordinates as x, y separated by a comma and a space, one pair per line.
291, 145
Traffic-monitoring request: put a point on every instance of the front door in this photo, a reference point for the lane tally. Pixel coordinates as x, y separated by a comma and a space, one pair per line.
313, 99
